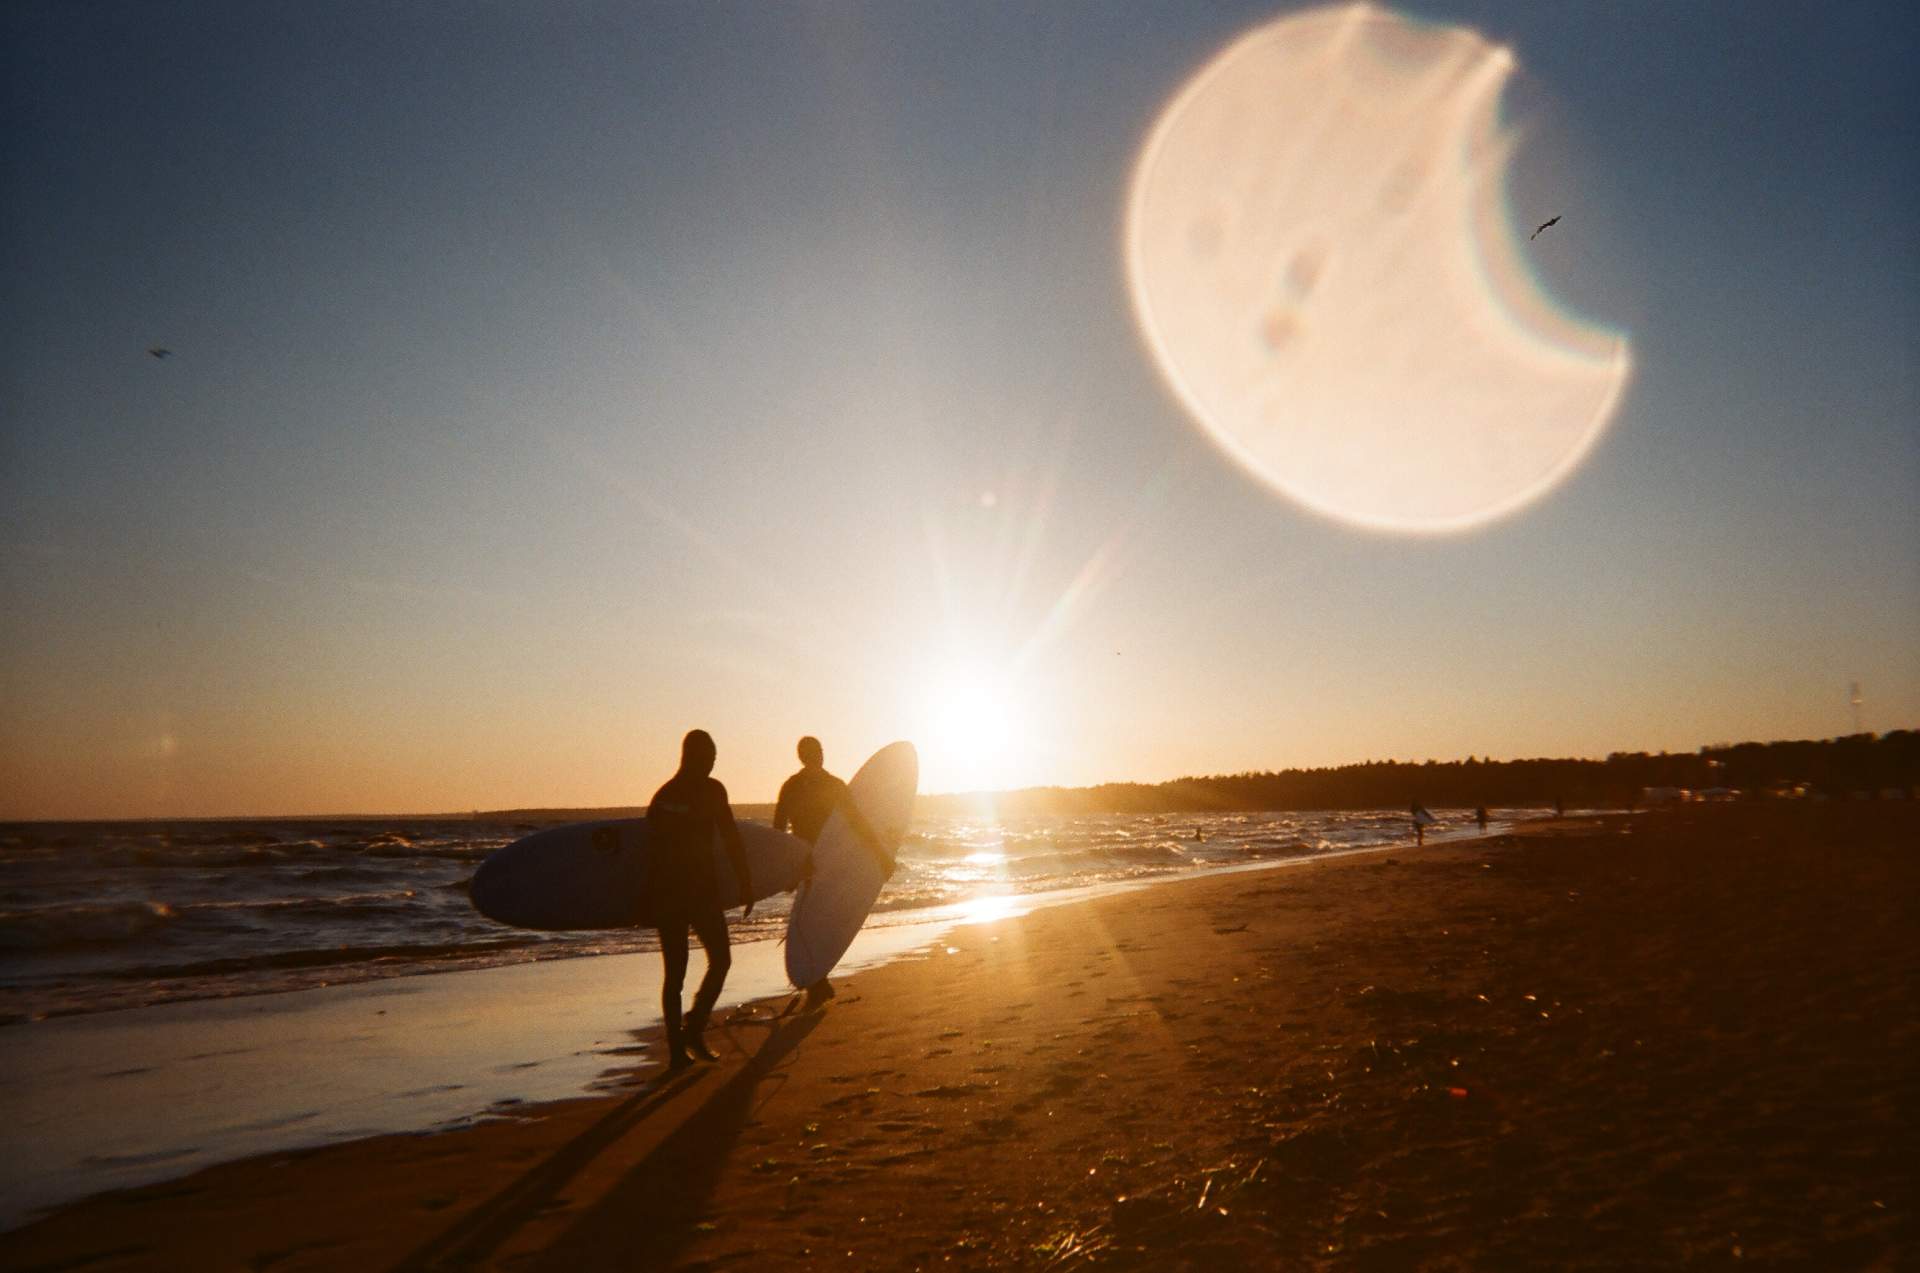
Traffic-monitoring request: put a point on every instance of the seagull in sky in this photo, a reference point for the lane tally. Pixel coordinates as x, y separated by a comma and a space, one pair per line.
158, 352
1543, 225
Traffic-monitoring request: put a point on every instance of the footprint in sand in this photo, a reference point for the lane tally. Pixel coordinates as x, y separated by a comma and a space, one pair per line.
948, 1091
905, 1155
138, 1160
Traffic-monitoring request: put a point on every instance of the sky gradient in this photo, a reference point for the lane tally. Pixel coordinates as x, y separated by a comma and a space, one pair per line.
549, 380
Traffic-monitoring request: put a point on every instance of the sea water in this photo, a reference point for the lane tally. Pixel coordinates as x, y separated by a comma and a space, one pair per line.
97, 916
196, 922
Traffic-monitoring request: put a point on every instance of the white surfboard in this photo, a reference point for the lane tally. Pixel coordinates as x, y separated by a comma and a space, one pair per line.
1421, 818
595, 874
847, 873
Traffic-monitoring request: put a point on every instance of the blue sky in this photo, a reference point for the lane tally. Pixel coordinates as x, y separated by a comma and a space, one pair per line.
551, 379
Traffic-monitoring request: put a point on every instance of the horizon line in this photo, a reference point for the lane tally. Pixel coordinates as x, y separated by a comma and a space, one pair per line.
481, 814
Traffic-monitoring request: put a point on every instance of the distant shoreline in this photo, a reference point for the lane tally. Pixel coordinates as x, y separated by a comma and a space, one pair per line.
1856, 765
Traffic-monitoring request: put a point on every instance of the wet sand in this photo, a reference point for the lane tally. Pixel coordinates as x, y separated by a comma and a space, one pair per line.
1682, 1039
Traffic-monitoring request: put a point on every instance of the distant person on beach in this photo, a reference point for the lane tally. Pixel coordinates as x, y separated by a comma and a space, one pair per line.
1480, 816
1414, 811
682, 819
806, 801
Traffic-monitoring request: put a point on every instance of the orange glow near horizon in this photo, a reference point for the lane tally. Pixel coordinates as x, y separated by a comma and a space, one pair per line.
784, 397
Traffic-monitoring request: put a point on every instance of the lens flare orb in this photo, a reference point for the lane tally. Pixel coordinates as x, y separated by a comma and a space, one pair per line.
1324, 269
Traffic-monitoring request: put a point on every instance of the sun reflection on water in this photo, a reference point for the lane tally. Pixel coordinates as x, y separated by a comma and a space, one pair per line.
988, 907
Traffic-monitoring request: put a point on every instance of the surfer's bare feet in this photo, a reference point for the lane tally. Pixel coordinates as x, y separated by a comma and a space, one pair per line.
698, 1049
679, 1061
818, 993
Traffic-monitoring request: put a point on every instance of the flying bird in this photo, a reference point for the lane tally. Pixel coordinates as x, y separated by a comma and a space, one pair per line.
158, 352
1543, 225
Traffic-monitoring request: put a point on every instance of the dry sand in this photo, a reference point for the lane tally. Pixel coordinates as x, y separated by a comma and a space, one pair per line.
1685, 1039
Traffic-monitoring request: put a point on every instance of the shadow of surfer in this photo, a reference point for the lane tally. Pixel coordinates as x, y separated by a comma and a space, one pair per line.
650, 1210
807, 800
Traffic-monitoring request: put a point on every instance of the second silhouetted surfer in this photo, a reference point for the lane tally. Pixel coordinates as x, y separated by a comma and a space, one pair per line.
806, 801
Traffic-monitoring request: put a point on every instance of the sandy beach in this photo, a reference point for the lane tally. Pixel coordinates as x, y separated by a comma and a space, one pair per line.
1682, 1039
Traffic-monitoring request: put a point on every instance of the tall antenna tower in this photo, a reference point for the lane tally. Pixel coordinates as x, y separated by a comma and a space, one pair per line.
1854, 700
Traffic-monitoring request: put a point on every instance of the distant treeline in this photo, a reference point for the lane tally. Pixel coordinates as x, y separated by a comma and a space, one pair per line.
1834, 767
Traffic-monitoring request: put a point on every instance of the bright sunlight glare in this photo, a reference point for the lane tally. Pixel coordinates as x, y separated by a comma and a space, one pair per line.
988, 907
969, 730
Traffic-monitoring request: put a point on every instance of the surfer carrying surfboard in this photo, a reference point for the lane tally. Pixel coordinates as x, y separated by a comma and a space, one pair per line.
807, 800
810, 797
682, 818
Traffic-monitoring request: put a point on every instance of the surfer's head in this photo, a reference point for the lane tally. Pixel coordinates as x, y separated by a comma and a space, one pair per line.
697, 752
810, 753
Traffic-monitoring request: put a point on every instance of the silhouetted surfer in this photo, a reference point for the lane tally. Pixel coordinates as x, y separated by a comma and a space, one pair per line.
806, 801
808, 798
682, 819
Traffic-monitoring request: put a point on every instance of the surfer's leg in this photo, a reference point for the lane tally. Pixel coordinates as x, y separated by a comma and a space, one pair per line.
711, 928
673, 951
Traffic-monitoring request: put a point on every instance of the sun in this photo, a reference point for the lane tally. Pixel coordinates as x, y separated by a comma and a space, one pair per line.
969, 732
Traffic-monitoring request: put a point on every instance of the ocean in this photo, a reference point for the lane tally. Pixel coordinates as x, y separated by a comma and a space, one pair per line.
102, 916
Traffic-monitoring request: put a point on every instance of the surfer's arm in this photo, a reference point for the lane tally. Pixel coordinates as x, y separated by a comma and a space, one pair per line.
736, 852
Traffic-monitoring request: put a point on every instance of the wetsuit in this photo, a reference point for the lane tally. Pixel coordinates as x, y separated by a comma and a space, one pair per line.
681, 821
807, 800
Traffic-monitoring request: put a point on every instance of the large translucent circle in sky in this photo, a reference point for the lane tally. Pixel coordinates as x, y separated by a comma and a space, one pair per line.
1323, 266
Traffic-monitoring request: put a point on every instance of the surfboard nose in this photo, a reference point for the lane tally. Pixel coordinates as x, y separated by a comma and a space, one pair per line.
902, 754
491, 882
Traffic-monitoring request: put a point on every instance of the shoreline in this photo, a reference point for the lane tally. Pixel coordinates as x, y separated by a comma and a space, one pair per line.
407, 915
598, 1032
1650, 1057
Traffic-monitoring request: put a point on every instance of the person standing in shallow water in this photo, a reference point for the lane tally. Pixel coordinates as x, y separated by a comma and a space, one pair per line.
682, 819
806, 801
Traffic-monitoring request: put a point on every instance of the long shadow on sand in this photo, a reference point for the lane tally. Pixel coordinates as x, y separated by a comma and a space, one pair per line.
492, 1223
650, 1213
644, 1220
